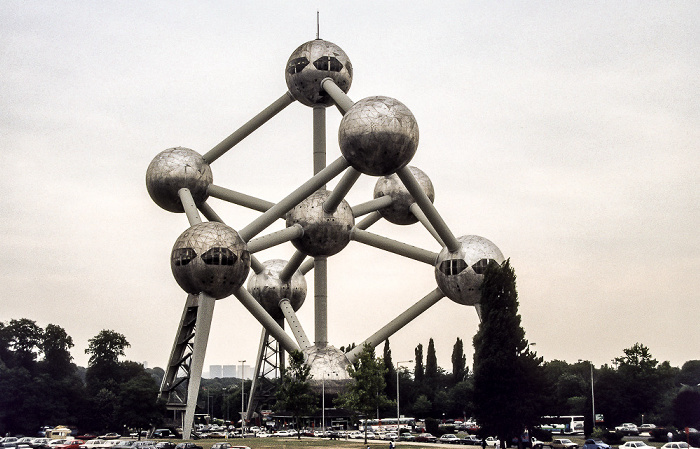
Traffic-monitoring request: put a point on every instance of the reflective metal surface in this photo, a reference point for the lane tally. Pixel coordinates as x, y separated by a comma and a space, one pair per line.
268, 289
174, 169
398, 211
309, 64
459, 274
324, 234
329, 363
378, 135
210, 257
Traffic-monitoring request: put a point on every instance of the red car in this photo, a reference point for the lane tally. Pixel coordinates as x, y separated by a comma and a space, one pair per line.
70, 444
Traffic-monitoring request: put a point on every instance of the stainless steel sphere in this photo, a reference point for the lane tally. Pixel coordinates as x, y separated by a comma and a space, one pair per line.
378, 135
211, 258
459, 274
268, 289
398, 211
324, 234
173, 169
329, 366
310, 64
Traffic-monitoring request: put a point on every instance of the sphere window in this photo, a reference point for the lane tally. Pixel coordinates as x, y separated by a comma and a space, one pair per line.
480, 266
297, 65
328, 63
183, 256
219, 256
453, 266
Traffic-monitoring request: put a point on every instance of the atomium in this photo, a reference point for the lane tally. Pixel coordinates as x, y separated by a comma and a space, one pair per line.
377, 136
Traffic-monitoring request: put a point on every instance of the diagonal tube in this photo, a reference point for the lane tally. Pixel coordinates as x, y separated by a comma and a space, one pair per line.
344, 185
245, 130
418, 213
369, 220
238, 198
294, 198
336, 93
294, 324
264, 318
371, 206
189, 206
292, 266
397, 323
428, 208
270, 240
393, 246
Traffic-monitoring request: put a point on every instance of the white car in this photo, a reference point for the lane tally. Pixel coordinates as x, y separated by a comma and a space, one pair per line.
356, 435
635, 445
449, 438
676, 445
92, 444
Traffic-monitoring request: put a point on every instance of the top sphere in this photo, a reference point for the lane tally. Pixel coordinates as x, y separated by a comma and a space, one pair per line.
310, 64
173, 169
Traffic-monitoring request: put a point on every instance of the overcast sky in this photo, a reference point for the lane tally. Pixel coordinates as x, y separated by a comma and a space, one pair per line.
565, 132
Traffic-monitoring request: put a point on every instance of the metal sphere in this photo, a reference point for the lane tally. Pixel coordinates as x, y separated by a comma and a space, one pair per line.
324, 234
173, 169
459, 274
268, 289
398, 211
211, 258
329, 366
310, 64
378, 135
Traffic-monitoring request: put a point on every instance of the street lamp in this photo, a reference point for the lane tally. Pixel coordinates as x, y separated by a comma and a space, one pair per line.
323, 401
398, 413
242, 394
592, 393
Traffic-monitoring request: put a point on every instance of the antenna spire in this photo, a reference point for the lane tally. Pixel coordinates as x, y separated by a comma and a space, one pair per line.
317, 26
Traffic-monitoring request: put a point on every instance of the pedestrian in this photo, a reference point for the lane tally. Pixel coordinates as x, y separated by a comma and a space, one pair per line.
483, 443
669, 435
391, 444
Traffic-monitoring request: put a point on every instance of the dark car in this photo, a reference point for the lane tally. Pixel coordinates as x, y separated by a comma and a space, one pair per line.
592, 443
471, 440
425, 438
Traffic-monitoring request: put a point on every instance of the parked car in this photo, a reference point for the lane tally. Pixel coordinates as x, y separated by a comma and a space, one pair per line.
144, 444
188, 445
71, 444
40, 442
592, 443
165, 445
491, 441
472, 440
635, 445
109, 436
449, 438
53, 443
406, 436
222, 445
676, 445
390, 436
563, 443
425, 438
92, 444
627, 428
355, 435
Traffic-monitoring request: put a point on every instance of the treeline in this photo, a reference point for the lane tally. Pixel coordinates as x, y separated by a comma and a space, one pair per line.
40, 385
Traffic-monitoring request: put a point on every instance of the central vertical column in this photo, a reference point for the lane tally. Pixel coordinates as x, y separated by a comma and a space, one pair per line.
321, 301
320, 263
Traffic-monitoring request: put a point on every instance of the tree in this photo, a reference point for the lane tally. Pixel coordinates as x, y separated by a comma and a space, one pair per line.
431, 365
104, 349
137, 409
390, 376
459, 362
295, 395
23, 339
56, 345
419, 372
506, 373
366, 394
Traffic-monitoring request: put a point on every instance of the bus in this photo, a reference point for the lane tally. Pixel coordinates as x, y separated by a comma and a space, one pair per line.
562, 425
386, 424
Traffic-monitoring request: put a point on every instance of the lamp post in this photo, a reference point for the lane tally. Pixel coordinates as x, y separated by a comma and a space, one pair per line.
398, 413
592, 394
242, 395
